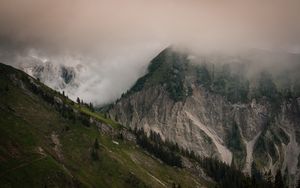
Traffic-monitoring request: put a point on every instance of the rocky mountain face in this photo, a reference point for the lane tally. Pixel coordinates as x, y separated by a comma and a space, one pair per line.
58, 77
219, 107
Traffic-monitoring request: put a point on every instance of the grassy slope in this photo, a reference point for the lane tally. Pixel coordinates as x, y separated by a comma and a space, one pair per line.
29, 157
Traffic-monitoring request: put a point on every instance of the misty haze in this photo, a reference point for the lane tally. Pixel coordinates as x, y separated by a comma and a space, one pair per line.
162, 93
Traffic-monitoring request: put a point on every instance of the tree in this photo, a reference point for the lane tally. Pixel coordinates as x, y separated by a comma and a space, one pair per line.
94, 154
95, 149
91, 107
285, 177
266, 85
203, 76
158, 148
96, 144
298, 183
78, 100
278, 180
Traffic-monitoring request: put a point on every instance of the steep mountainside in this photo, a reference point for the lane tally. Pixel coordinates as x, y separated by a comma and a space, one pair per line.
218, 107
49, 141
56, 76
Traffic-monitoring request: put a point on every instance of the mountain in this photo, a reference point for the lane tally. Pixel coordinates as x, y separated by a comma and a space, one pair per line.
243, 109
47, 140
57, 76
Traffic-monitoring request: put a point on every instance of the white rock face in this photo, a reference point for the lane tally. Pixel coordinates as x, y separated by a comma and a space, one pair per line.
190, 105
55, 74
57, 77
225, 153
200, 123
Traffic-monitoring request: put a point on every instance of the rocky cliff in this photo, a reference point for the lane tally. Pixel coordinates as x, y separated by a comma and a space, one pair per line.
58, 77
220, 110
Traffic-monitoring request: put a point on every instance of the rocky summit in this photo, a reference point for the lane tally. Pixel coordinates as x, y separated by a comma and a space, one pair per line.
216, 106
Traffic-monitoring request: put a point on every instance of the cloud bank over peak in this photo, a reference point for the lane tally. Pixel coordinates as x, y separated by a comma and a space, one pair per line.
212, 23
115, 40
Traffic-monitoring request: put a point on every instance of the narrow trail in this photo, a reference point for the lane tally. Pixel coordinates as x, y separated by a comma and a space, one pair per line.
148, 173
155, 178
22, 165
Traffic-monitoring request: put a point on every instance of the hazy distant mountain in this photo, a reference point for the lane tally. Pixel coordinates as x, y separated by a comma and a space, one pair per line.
56, 76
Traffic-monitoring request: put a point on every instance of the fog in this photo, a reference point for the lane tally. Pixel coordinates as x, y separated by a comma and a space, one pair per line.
115, 40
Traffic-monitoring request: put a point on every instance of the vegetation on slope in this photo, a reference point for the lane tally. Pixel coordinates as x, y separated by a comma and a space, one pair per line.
44, 145
48, 140
233, 87
170, 69
224, 175
167, 69
236, 145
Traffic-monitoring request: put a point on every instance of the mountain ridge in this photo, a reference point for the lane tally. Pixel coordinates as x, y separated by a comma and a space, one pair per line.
255, 120
49, 140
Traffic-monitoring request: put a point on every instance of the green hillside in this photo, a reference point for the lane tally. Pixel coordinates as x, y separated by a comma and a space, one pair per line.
49, 141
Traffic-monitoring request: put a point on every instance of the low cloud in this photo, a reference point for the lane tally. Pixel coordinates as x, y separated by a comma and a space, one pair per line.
115, 40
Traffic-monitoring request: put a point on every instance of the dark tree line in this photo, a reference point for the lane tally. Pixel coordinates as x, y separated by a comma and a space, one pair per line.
88, 105
174, 78
155, 146
229, 176
233, 87
225, 175
66, 110
155, 64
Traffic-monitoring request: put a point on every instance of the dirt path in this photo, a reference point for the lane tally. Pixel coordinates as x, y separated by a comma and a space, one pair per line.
148, 173
155, 178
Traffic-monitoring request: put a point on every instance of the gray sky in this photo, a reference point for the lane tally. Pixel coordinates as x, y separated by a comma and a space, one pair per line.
116, 39
81, 23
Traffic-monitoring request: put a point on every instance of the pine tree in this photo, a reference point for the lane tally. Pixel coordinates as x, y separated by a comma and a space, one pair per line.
94, 151
278, 180
298, 183
285, 177
94, 154
91, 107
96, 144
78, 100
